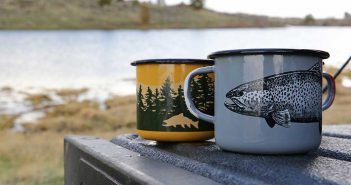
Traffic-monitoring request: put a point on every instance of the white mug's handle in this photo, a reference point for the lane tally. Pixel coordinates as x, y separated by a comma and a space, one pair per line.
331, 91
187, 93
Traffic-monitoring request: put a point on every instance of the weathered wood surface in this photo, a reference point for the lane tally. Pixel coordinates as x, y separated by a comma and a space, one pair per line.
94, 161
204, 162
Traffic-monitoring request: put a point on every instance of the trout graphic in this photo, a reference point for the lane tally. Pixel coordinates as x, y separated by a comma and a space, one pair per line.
181, 120
280, 99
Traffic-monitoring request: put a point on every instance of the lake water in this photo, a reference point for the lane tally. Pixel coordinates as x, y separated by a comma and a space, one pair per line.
100, 60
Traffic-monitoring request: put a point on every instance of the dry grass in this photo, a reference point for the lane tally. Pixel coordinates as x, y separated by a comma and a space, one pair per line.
71, 94
84, 116
37, 158
38, 100
6, 121
340, 111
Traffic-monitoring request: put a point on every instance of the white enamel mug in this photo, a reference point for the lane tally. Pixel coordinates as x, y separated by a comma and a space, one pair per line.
267, 101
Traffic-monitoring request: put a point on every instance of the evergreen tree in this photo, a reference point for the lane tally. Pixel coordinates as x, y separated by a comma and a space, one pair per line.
156, 105
166, 98
140, 105
140, 98
103, 3
210, 96
206, 94
309, 20
179, 103
149, 100
195, 92
197, 4
202, 92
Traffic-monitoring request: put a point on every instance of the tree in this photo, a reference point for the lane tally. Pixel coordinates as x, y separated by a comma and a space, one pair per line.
144, 14
206, 93
166, 99
195, 90
135, 2
140, 98
197, 4
179, 103
209, 95
309, 19
157, 104
140, 105
161, 2
103, 3
149, 100
347, 15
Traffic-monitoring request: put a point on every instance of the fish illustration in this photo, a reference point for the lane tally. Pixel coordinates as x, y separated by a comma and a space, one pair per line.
181, 120
281, 98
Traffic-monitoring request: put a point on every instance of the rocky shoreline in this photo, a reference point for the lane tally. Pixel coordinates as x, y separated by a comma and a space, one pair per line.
21, 110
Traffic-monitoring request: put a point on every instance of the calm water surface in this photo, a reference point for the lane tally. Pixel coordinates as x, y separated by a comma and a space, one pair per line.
101, 60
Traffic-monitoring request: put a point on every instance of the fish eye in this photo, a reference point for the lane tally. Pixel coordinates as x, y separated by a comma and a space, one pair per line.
241, 93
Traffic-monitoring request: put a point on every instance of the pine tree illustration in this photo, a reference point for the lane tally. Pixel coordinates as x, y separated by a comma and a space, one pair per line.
157, 104
140, 105
166, 98
210, 96
140, 98
157, 107
206, 95
196, 93
149, 99
179, 102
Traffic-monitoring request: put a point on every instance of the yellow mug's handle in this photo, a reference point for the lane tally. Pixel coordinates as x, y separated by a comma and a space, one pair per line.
187, 93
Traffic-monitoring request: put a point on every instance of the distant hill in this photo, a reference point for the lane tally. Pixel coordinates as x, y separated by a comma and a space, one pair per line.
88, 14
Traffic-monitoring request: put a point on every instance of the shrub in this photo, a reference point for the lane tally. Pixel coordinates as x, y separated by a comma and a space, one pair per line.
144, 14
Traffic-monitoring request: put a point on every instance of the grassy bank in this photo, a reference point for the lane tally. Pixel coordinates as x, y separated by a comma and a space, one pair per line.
35, 156
88, 14
37, 159
340, 111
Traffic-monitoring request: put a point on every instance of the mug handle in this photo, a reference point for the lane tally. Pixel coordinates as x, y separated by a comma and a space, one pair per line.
187, 93
331, 91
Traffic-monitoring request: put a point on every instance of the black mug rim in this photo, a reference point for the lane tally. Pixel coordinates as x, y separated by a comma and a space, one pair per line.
283, 51
172, 61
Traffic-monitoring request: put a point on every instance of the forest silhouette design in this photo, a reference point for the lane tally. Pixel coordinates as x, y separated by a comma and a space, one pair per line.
156, 106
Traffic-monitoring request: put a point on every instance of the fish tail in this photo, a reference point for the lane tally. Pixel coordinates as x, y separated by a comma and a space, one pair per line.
196, 124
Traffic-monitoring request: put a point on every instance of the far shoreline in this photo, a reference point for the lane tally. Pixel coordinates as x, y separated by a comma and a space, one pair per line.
172, 28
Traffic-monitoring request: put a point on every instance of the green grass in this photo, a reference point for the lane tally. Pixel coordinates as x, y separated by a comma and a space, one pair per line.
87, 14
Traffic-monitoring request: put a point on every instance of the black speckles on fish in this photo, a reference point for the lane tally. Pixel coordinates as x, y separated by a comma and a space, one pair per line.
280, 99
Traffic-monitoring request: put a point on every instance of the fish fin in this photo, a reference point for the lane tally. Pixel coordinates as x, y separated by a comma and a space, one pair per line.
196, 124
316, 68
282, 118
182, 125
270, 121
267, 109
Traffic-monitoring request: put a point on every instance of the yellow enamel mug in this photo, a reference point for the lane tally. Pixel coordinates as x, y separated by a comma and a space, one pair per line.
162, 114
